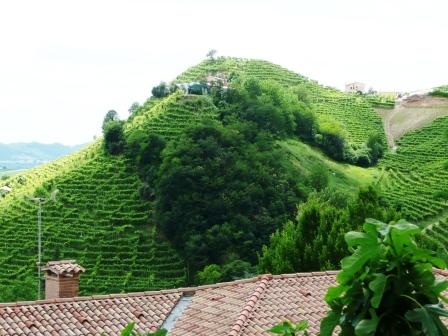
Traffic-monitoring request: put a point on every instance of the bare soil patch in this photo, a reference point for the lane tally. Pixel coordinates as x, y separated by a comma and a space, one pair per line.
410, 113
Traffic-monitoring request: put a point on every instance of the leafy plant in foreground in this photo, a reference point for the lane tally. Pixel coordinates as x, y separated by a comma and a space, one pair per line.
129, 331
286, 328
387, 286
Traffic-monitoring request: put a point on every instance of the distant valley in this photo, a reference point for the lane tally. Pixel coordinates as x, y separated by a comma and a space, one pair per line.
16, 156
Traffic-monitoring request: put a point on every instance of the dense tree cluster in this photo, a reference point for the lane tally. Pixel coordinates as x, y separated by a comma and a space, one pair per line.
320, 226
221, 191
114, 139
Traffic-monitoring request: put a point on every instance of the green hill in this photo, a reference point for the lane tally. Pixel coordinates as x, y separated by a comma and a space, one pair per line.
100, 219
353, 113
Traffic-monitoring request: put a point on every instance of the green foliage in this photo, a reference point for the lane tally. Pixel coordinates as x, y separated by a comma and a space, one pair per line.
209, 275
376, 146
387, 286
355, 114
111, 115
161, 90
441, 91
321, 224
21, 290
129, 331
134, 108
380, 100
331, 139
232, 270
220, 194
114, 141
415, 171
286, 328
97, 218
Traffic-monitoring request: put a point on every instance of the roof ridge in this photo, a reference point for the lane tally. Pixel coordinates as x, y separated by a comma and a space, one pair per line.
250, 304
305, 274
91, 297
443, 272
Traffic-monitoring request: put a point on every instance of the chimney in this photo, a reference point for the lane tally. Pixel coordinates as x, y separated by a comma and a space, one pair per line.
62, 279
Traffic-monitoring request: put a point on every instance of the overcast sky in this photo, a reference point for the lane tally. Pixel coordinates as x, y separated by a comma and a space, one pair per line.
64, 64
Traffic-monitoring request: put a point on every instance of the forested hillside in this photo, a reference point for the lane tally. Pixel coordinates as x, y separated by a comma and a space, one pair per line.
252, 168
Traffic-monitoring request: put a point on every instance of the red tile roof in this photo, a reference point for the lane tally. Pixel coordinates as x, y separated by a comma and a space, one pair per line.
252, 306
243, 307
93, 315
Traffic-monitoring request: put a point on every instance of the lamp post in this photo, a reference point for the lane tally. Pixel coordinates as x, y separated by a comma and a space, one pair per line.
40, 201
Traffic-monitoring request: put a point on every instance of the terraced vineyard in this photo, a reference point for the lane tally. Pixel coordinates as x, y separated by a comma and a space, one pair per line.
417, 173
173, 114
354, 113
97, 218
435, 236
441, 91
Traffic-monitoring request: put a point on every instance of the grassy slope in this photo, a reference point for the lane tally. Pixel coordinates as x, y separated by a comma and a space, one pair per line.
341, 176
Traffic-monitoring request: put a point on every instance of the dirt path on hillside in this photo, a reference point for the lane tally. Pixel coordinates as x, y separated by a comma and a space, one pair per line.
411, 113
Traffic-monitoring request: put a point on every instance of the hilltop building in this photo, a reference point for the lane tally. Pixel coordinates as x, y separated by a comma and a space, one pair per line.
355, 87
5, 190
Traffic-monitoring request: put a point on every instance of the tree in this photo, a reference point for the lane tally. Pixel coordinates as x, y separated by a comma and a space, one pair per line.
315, 241
219, 195
387, 286
211, 54
331, 139
111, 115
114, 140
376, 146
133, 108
160, 90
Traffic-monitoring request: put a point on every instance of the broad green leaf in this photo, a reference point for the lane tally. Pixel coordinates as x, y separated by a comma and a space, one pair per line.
334, 292
426, 255
328, 324
377, 286
367, 327
373, 225
421, 315
277, 329
437, 309
352, 264
354, 238
128, 330
301, 326
401, 235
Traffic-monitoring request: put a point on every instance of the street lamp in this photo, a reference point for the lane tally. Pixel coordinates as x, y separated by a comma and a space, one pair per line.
40, 201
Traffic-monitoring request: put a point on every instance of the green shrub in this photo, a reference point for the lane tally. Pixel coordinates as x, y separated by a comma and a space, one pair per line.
387, 286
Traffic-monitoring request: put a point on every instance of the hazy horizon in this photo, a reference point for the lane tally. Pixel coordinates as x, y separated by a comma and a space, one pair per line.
64, 65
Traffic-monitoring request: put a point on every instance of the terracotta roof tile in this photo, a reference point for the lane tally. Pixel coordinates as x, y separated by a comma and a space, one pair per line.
63, 267
91, 316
